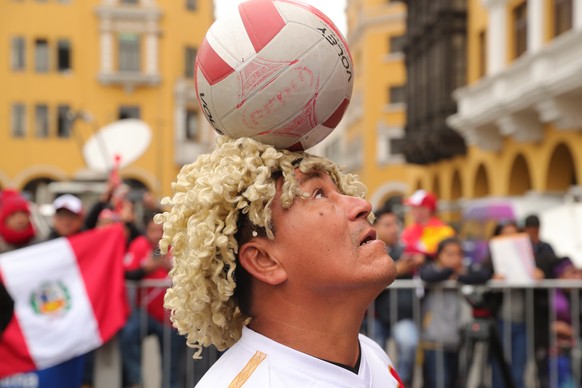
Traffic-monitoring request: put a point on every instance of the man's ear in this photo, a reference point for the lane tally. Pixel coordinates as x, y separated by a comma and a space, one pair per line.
256, 258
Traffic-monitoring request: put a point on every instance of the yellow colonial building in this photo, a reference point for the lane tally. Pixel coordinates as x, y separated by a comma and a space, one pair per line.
513, 125
72, 67
520, 111
368, 141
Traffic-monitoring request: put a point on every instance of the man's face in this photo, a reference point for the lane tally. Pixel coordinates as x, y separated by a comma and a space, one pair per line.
533, 232
508, 230
154, 232
67, 223
420, 214
451, 256
387, 228
325, 241
17, 221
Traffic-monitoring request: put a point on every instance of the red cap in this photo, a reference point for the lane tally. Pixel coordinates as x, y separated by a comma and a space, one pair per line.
12, 202
422, 198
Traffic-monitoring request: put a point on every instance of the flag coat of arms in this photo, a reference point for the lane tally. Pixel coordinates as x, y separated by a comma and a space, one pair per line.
69, 298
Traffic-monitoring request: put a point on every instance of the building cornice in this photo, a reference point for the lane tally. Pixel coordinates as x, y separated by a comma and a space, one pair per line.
366, 21
135, 13
493, 3
535, 89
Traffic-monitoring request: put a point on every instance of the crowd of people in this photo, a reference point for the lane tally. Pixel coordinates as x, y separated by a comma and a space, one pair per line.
426, 250
437, 332
143, 260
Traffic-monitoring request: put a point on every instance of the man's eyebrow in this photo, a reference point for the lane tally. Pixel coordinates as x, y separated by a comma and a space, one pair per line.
309, 176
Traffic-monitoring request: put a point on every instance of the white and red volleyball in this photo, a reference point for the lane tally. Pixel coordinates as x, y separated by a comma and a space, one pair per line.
278, 71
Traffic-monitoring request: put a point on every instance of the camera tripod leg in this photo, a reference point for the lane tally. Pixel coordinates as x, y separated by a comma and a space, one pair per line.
466, 355
485, 356
497, 353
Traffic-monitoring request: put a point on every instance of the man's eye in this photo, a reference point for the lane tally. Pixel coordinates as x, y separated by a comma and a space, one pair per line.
319, 193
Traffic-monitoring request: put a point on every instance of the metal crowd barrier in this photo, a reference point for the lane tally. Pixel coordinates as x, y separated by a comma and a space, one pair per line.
108, 362
572, 287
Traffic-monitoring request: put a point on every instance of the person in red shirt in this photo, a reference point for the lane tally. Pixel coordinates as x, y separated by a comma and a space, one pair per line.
145, 262
425, 232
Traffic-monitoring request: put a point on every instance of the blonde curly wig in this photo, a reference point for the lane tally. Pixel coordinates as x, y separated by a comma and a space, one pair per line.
201, 225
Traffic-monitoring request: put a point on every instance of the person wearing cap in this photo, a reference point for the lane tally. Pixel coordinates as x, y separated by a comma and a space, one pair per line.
425, 232
420, 240
68, 220
68, 217
16, 227
16, 231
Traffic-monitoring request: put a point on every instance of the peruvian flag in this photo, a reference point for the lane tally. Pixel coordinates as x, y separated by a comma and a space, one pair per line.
69, 298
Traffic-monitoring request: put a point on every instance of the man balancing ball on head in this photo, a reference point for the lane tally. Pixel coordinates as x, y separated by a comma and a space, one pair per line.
276, 260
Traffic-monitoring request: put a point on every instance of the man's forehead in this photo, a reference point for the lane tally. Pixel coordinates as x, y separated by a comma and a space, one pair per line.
304, 177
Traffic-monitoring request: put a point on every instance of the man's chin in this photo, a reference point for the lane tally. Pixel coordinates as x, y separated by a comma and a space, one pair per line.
390, 271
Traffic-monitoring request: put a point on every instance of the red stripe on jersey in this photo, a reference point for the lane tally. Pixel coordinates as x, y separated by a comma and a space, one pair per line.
262, 22
336, 116
396, 376
214, 68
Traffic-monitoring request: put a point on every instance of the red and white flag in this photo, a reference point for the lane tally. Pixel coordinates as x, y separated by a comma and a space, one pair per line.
69, 298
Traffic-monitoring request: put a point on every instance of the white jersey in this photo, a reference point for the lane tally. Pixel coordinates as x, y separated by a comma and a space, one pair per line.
256, 361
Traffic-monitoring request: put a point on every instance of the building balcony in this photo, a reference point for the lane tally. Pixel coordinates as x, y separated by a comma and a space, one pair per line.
537, 88
132, 35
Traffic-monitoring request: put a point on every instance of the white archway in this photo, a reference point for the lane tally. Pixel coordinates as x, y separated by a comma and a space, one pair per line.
389, 187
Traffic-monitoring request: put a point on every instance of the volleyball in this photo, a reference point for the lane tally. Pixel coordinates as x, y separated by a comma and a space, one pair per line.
278, 71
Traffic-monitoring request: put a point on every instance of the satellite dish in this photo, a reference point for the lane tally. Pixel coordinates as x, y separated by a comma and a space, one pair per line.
125, 139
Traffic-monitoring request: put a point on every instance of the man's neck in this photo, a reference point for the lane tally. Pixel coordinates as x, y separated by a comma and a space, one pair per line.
319, 332
352, 368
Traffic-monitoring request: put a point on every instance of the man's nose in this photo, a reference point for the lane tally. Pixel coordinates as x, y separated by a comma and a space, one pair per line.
358, 207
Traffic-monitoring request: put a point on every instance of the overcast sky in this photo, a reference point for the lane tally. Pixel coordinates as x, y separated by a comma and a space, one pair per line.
334, 9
